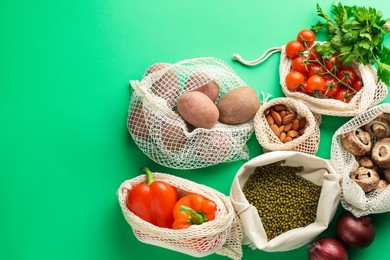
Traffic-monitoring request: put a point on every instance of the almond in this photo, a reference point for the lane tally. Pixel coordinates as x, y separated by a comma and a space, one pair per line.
275, 115
301, 131
302, 122
292, 133
287, 127
281, 128
282, 137
295, 124
287, 139
289, 118
270, 120
280, 107
282, 113
275, 129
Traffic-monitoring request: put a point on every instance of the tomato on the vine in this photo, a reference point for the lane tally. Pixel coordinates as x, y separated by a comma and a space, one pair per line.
306, 37
293, 49
316, 69
316, 84
357, 84
332, 87
294, 80
347, 75
333, 64
344, 94
314, 56
300, 64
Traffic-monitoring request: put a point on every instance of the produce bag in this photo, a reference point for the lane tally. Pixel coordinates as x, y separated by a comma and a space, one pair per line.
162, 134
315, 170
308, 142
371, 94
354, 199
223, 235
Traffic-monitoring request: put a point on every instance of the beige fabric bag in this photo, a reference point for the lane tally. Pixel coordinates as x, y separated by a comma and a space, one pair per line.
353, 197
223, 235
316, 170
162, 134
307, 143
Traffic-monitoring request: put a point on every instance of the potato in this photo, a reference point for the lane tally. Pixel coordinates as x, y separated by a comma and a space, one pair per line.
238, 106
172, 136
203, 83
166, 85
136, 123
197, 109
215, 147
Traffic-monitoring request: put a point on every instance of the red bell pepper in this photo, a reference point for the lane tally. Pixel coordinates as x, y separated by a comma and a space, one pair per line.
193, 209
153, 201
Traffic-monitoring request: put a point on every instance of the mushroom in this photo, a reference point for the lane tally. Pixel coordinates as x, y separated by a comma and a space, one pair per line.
367, 179
366, 162
380, 153
386, 175
379, 127
357, 142
382, 184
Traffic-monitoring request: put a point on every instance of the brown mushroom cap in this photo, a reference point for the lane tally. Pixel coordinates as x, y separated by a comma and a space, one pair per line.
365, 161
367, 179
357, 142
386, 175
382, 184
379, 127
380, 153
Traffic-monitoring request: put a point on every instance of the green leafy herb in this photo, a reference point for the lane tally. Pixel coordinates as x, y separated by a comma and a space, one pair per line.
356, 34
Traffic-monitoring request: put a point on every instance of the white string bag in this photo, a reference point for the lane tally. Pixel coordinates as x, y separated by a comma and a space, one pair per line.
223, 235
353, 197
315, 170
162, 134
307, 143
371, 94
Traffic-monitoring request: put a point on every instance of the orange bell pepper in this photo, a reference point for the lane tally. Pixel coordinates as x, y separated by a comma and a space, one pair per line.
193, 209
153, 201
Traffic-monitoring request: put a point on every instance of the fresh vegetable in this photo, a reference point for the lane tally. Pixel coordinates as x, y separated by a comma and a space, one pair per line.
327, 249
355, 232
355, 33
153, 201
344, 95
316, 84
294, 80
294, 48
193, 209
306, 37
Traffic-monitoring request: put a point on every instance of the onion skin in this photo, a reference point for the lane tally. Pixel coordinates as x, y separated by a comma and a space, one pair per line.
355, 232
327, 249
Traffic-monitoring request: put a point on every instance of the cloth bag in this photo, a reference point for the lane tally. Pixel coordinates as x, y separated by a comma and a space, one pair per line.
162, 134
353, 197
307, 143
223, 235
316, 170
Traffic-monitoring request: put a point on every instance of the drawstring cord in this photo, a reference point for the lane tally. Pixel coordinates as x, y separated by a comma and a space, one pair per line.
259, 60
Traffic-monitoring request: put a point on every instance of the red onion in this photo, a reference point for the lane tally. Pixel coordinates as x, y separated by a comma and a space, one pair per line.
355, 232
327, 249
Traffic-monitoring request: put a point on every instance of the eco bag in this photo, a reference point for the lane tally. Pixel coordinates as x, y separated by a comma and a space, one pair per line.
308, 142
354, 199
223, 235
162, 134
315, 170
372, 93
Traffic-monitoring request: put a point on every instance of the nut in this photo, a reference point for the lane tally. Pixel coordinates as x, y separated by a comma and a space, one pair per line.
292, 133
275, 129
270, 120
302, 122
289, 118
280, 107
282, 136
277, 118
295, 124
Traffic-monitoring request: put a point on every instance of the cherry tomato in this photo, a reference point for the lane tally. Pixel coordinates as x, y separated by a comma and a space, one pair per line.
300, 64
344, 94
347, 75
316, 69
357, 84
316, 84
313, 55
306, 37
294, 80
332, 87
293, 49
333, 64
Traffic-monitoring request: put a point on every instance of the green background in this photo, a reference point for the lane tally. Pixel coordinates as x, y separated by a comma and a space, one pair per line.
64, 95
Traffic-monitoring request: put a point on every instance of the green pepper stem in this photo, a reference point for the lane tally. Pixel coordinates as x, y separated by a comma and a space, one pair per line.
196, 218
149, 175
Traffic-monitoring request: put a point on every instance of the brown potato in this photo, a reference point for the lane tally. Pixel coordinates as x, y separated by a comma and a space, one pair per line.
215, 147
172, 136
197, 109
167, 85
238, 106
136, 123
203, 83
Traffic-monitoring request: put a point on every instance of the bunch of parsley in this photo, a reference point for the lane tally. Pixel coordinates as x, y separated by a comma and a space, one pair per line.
356, 34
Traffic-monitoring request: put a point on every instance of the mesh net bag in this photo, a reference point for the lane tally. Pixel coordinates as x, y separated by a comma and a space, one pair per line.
223, 235
308, 142
160, 132
371, 94
354, 198
316, 170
